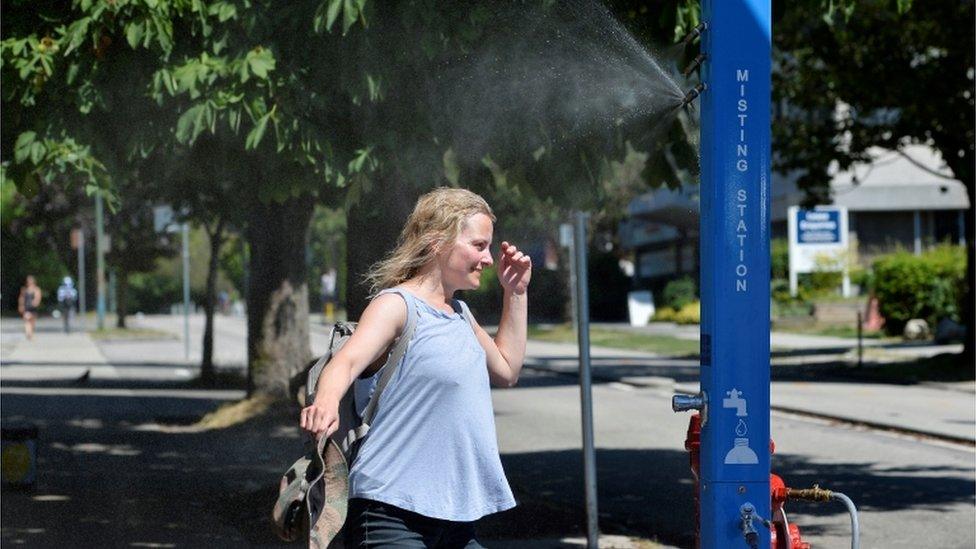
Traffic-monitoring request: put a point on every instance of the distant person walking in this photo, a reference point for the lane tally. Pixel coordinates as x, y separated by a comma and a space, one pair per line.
28, 302
429, 466
67, 298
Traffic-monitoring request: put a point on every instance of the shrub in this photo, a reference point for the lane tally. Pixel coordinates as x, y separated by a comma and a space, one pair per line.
689, 314
929, 286
679, 293
779, 258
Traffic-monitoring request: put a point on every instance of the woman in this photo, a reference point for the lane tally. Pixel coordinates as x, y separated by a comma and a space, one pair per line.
27, 304
430, 467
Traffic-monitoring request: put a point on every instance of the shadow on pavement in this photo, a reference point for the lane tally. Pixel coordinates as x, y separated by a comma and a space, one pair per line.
110, 475
944, 367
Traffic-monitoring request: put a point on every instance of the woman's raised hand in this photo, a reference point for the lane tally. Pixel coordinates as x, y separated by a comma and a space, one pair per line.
514, 269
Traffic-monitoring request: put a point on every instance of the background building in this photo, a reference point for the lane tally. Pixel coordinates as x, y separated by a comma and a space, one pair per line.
901, 200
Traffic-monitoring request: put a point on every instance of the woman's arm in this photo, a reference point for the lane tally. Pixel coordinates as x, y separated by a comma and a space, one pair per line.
37, 298
380, 324
506, 352
20, 302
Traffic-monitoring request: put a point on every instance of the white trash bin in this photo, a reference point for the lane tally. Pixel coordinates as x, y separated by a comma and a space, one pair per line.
640, 307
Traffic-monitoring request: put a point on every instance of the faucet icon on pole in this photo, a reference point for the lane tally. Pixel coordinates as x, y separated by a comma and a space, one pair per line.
735, 402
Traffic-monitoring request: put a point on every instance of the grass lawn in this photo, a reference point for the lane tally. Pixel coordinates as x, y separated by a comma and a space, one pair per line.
833, 330
602, 337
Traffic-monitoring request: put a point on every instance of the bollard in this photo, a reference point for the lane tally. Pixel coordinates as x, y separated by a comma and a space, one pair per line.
18, 456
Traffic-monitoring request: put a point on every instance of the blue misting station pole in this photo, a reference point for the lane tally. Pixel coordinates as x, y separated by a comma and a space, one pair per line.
735, 163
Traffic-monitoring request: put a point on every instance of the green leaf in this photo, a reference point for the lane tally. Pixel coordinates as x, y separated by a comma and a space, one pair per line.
76, 34
335, 6
350, 14
226, 11
72, 73
37, 152
234, 119
361, 159
134, 33
256, 133
191, 123
22, 146
904, 6
260, 61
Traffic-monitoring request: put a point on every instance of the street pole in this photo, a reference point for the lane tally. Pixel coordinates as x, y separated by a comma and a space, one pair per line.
99, 262
81, 278
735, 209
586, 387
112, 303
186, 291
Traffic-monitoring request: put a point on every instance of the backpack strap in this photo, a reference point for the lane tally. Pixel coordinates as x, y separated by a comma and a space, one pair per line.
396, 355
462, 308
340, 329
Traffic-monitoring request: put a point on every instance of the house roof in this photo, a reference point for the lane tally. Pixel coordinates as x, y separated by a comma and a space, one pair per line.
914, 178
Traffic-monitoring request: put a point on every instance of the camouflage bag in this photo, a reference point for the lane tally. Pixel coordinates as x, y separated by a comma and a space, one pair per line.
313, 496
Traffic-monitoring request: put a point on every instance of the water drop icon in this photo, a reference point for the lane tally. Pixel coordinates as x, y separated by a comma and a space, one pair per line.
741, 429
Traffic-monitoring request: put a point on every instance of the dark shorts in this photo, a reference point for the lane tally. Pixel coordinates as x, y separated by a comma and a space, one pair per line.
376, 524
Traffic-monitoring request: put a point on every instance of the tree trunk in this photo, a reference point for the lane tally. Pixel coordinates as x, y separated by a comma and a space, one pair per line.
962, 167
207, 372
373, 226
277, 300
121, 297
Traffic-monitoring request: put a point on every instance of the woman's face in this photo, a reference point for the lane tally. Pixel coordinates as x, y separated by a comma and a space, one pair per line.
30, 281
463, 262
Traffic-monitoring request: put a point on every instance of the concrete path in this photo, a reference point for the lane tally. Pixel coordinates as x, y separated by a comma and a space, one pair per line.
941, 410
946, 410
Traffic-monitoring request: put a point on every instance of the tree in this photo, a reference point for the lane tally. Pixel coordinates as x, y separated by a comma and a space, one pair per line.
85, 72
903, 72
310, 112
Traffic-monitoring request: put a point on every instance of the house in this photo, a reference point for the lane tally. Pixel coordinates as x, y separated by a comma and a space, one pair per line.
903, 199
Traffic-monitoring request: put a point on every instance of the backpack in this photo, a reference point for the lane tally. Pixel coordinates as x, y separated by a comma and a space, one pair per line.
313, 495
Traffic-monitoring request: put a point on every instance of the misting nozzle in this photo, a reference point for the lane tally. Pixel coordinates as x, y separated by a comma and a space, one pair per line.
693, 94
695, 33
695, 63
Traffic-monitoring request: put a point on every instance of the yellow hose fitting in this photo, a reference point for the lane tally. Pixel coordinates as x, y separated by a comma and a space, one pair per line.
810, 494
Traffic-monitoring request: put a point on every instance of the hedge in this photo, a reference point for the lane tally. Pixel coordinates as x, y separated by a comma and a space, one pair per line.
929, 286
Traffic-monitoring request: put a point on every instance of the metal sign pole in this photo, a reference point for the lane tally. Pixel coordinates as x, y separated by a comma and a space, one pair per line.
81, 278
735, 160
99, 262
586, 388
186, 291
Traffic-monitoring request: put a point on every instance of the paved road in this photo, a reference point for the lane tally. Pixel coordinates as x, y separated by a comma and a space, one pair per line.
118, 471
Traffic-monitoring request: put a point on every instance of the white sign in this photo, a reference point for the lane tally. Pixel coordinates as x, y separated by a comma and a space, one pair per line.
818, 242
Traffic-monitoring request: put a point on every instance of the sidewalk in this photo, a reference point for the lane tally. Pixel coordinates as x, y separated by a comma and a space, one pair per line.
107, 429
944, 410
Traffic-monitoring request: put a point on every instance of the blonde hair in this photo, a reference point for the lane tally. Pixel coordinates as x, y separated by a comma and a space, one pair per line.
437, 219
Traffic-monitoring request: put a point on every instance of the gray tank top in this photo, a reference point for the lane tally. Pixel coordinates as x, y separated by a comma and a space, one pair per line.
432, 447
